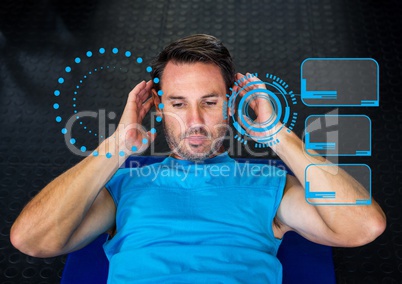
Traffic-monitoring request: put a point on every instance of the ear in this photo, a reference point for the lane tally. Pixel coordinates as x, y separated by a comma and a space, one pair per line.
157, 100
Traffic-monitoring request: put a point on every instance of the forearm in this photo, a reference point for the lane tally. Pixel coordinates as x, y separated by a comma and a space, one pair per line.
344, 221
52, 216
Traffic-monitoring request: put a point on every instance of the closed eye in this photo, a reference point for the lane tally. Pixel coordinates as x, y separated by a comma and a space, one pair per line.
177, 105
211, 103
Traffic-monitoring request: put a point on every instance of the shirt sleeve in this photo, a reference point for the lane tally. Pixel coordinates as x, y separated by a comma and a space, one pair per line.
115, 184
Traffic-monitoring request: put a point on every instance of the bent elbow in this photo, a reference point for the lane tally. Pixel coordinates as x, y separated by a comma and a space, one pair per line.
371, 231
377, 227
28, 246
20, 242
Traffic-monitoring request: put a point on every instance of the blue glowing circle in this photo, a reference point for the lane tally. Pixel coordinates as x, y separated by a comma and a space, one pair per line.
69, 69
161, 106
134, 149
95, 153
243, 105
121, 154
156, 80
158, 118
160, 93
274, 91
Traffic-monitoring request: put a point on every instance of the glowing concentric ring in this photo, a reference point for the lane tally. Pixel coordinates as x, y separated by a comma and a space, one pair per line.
240, 115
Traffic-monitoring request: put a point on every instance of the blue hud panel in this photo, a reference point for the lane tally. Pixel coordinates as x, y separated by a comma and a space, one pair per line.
316, 194
338, 135
340, 82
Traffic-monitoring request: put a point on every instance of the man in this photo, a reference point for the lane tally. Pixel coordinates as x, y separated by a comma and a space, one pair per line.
215, 225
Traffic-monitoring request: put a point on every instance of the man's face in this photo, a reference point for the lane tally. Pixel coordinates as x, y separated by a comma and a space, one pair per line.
193, 111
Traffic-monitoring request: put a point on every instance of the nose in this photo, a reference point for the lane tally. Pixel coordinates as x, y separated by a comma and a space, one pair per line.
194, 116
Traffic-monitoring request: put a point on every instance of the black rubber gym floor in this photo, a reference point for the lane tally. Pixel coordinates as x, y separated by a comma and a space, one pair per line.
38, 39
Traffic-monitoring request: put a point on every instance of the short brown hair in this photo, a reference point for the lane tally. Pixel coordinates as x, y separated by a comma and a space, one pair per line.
192, 49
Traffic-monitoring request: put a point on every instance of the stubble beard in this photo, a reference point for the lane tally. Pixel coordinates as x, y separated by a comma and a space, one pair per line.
180, 148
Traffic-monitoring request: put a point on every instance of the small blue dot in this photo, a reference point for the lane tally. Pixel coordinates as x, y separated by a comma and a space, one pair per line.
139, 60
89, 53
127, 54
96, 69
90, 131
160, 93
134, 149
121, 153
57, 93
80, 81
56, 106
64, 131
75, 111
83, 149
68, 69
158, 118
89, 72
102, 50
95, 153
72, 141
108, 155
77, 60
161, 106
61, 80
144, 141
115, 50
149, 69
85, 76
58, 118
74, 99
78, 87
156, 80
81, 122
75, 92
85, 127
153, 131
77, 117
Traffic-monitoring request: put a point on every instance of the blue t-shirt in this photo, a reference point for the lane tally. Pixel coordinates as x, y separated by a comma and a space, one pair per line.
186, 222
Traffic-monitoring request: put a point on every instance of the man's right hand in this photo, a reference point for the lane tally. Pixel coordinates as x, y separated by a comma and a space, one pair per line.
130, 133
